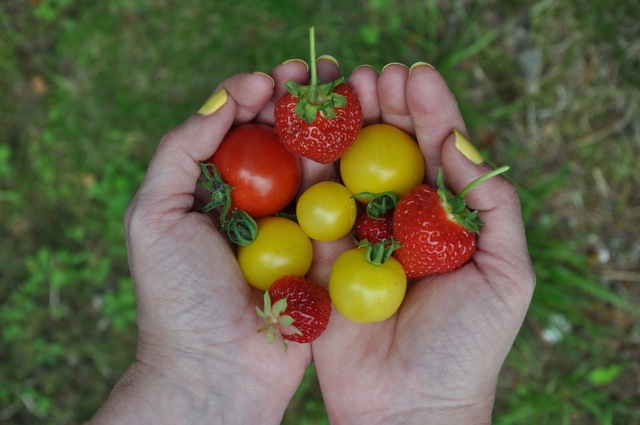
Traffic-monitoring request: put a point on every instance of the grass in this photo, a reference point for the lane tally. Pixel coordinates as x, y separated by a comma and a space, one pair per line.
549, 87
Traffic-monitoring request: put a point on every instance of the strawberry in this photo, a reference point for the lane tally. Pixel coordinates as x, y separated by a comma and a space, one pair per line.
374, 229
318, 121
436, 230
376, 224
296, 308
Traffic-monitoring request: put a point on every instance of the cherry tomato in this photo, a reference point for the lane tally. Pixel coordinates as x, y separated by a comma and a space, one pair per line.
364, 292
382, 159
265, 176
281, 248
326, 211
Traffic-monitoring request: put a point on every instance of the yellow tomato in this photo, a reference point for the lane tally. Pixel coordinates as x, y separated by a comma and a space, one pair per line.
281, 248
326, 211
364, 292
382, 159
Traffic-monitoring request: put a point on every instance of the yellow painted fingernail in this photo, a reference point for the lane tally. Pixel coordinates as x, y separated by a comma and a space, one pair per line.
273, 83
394, 64
418, 64
328, 58
465, 147
215, 102
297, 60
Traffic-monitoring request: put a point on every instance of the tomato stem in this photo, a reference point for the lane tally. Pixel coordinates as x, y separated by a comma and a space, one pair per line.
379, 252
220, 191
241, 228
379, 204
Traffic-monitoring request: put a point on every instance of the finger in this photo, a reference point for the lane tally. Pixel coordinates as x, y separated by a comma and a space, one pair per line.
434, 111
502, 236
393, 99
327, 68
296, 70
251, 93
364, 81
325, 255
174, 169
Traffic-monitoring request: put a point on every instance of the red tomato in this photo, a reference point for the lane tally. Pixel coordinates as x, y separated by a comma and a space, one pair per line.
264, 175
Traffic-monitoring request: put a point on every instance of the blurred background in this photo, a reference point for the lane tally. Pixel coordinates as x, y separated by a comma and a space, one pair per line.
551, 87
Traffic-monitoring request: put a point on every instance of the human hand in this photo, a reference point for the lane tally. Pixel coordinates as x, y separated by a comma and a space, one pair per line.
437, 359
199, 358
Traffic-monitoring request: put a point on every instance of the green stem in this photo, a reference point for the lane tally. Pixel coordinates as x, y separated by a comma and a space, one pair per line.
481, 179
379, 252
314, 71
312, 48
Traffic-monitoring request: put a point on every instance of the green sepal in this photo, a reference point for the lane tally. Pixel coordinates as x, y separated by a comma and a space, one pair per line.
457, 206
273, 319
240, 228
285, 320
279, 307
314, 97
220, 191
380, 203
379, 252
320, 98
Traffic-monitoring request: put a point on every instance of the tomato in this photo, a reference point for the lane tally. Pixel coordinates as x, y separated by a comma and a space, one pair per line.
382, 159
281, 248
326, 211
364, 292
265, 176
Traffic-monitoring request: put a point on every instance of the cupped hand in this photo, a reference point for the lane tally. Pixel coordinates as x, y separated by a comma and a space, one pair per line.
199, 357
437, 359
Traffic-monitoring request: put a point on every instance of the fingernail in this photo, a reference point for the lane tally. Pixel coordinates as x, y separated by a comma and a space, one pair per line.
390, 64
364, 65
215, 102
465, 147
328, 58
419, 64
297, 60
273, 83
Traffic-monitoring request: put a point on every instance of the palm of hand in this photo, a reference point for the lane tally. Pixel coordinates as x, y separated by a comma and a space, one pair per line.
445, 346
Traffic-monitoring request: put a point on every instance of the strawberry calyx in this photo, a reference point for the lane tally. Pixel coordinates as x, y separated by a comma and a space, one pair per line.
380, 203
316, 98
275, 320
240, 227
379, 252
456, 206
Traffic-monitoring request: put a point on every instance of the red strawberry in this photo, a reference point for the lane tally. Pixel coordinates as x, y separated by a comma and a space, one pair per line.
436, 230
296, 308
374, 229
318, 121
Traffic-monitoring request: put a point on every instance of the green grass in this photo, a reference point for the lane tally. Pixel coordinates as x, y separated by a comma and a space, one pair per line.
551, 88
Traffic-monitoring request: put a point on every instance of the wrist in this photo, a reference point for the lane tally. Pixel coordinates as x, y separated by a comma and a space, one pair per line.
437, 413
474, 414
150, 394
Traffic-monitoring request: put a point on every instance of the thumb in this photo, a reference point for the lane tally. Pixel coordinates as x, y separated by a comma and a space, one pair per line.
175, 167
502, 239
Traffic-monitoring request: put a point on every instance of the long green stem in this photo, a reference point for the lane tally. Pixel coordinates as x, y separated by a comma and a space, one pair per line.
314, 72
479, 180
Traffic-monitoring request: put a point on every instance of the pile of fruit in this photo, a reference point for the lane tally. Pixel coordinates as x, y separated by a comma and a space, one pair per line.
401, 227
